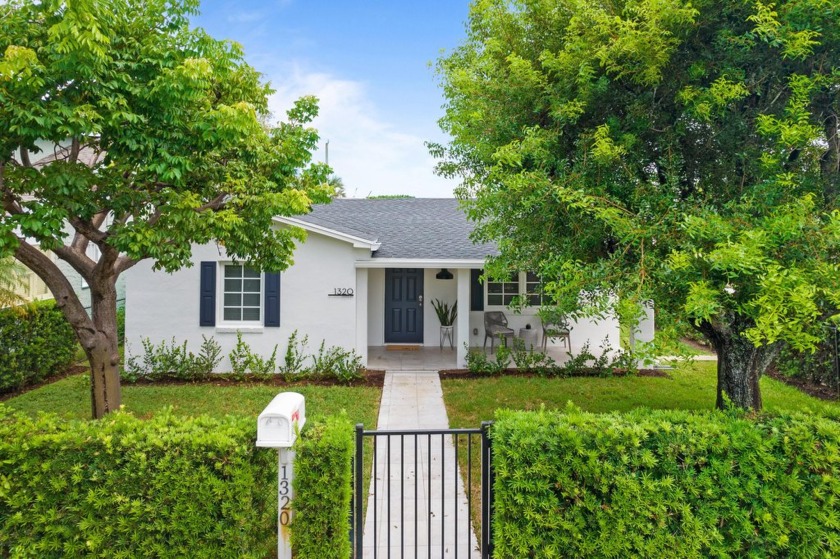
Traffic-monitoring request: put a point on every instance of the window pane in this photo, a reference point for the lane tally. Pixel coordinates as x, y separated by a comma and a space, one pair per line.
251, 286
251, 273
233, 286
531, 277
509, 299
534, 300
233, 271
233, 300
233, 314
494, 299
511, 288
493, 287
250, 313
251, 300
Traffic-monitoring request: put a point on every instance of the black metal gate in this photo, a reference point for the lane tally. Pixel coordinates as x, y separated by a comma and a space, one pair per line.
422, 494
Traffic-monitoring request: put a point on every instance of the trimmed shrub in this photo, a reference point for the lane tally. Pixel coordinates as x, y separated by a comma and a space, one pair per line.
323, 476
122, 487
34, 345
665, 484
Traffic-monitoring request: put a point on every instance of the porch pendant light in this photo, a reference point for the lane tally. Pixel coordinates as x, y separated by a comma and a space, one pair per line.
444, 274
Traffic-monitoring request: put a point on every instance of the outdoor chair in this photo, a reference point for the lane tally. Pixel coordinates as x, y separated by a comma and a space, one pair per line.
556, 330
496, 324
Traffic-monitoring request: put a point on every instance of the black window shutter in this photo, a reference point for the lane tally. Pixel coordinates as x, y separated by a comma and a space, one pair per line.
207, 312
272, 299
476, 291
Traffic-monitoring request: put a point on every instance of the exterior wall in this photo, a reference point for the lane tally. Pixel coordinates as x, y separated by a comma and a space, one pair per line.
171, 307
445, 291
81, 288
376, 307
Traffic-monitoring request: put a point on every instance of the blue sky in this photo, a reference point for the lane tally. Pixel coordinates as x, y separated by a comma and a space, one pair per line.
368, 63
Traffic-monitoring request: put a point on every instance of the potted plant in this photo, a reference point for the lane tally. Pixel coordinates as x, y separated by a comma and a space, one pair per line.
446, 315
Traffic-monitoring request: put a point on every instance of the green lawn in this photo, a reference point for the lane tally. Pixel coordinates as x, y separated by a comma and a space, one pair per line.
692, 387
70, 397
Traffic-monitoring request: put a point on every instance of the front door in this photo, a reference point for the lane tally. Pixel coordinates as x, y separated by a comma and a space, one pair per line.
403, 306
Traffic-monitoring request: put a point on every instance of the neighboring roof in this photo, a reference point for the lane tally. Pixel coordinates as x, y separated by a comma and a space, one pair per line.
416, 228
87, 156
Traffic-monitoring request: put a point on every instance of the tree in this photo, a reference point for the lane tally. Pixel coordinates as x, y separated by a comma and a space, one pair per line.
682, 152
159, 145
12, 276
337, 184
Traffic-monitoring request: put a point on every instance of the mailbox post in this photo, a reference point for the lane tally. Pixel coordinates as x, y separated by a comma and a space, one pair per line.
277, 427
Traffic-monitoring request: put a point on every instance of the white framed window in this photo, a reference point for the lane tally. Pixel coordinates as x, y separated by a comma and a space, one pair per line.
526, 284
241, 294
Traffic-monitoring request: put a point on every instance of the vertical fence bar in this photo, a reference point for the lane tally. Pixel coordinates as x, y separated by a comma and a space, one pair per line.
358, 486
375, 495
469, 486
485, 483
388, 438
429, 494
416, 481
455, 493
402, 496
442, 493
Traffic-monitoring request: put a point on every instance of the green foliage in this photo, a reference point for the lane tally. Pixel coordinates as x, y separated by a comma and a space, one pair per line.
121, 324
295, 356
665, 484
122, 487
685, 153
156, 126
528, 359
171, 361
34, 345
244, 361
323, 476
12, 282
338, 363
446, 314
815, 366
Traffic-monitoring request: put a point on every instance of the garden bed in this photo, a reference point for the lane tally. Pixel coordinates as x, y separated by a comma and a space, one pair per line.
467, 374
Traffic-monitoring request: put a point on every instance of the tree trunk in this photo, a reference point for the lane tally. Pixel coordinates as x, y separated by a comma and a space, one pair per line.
102, 351
740, 365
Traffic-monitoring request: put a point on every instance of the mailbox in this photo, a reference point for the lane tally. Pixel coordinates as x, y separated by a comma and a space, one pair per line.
276, 424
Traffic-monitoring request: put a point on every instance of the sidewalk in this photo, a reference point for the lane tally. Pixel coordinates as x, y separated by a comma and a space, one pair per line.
416, 477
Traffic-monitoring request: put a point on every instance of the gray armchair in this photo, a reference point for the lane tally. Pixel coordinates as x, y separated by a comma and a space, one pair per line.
496, 324
560, 330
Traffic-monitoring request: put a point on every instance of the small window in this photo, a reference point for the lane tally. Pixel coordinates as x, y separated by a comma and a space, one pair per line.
242, 295
533, 289
502, 293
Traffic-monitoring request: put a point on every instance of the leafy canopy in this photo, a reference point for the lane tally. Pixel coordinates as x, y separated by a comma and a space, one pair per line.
685, 152
163, 127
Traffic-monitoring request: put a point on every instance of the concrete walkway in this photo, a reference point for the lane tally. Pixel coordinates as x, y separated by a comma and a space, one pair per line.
420, 505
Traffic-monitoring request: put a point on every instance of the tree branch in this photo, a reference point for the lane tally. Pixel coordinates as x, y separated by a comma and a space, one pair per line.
75, 147
24, 157
65, 297
215, 204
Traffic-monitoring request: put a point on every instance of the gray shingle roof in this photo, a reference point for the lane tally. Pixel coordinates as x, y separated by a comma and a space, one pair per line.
427, 228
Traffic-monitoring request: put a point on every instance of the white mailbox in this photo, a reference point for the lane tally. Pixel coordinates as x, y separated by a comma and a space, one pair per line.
276, 424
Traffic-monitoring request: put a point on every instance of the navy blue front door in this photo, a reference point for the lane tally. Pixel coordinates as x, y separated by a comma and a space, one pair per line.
403, 306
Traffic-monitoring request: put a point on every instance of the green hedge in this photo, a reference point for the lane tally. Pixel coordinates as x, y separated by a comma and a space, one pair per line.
323, 476
34, 345
665, 484
122, 487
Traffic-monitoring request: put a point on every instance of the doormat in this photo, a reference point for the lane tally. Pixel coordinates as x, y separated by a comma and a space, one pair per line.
398, 347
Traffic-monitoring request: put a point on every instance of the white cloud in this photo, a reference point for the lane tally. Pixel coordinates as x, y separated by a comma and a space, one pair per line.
371, 156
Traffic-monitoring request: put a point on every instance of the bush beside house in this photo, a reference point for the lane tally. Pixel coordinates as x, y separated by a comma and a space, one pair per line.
665, 484
122, 487
34, 345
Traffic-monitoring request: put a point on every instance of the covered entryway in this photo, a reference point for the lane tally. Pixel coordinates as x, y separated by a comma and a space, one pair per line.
404, 306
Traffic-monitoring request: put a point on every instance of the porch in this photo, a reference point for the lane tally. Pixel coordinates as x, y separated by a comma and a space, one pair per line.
433, 358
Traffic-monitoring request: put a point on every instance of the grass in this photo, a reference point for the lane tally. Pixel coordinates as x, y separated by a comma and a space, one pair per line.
691, 387
70, 398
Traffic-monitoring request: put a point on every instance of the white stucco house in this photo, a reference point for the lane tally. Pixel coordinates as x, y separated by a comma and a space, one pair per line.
364, 278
